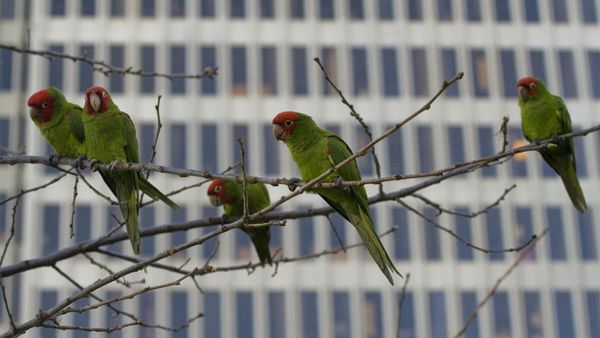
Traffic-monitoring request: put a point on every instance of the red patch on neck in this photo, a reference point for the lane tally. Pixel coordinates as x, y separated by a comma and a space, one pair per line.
43, 101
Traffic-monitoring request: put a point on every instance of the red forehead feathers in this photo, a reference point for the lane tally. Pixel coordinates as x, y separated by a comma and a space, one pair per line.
95, 90
285, 115
526, 81
216, 182
39, 97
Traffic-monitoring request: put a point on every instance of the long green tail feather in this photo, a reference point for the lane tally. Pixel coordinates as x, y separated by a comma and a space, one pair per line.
154, 193
565, 168
130, 213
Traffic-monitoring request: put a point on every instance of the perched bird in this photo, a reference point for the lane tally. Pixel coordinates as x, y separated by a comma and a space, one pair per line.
59, 121
230, 196
111, 138
316, 150
543, 116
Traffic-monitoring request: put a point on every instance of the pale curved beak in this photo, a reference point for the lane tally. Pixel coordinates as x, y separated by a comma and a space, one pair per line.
214, 200
522, 92
278, 132
34, 113
95, 102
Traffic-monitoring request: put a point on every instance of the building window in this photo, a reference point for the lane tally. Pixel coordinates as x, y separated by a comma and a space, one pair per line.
209, 246
212, 314
117, 8
593, 312
414, 10
537, 64
444, 10
147, 220
243, 246
306, 236
586, 232
88, 7
481, 87
568, 79
297, 9
83, 223
244, 314
209, 142
502, 8
146, 140
401, 235
419, 72
501, 315
269, 70
80, 319
177, 58
48, 299
426, 149
177, 143
4, 134
588, 11
237, 8
329, 62
57, 7
518, 166
310, 314
389, 72
556, 243
5, 69
437, 314
408, 327
372, 314
299, 71
147, 313
56, 67
449, 69
338, 223
559, 11
463, 230
456, 144
326, 9
564, 314
473, 10
431, 235
271, 152
147, 8
147, 56
239, 81
179, 313
276, 303
468, 303
267, 9
207, 8
594, 67
86, 71
117, 59
508, 73
342, 327
533, 314
179, 237
531, 11
365, 163
356, 10
241, 131
360, 72
524, 229
579, 145
50, 217
7, 9
395, 154
177, 8
386, 10
494, 234
208, 59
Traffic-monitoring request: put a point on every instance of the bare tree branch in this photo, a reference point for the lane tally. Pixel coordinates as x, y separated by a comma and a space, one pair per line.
39, 187
12, 229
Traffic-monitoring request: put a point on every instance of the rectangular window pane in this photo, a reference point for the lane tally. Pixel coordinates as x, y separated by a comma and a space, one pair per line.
386, 10
57, 7
239, 73
437, 314
472, 10
486, 141
414, 10
81, 319
326, 9
365, 163
267, 9
276, 302
518, 165
444, 10
297, 9
177, 8
208, 59
564, 315
432, 236
179, 237
426, 149
329, 61
509, 72
494, 234
56, 68
502, 10
524, 228
456, 144
7, 9
479, 69
593, 313
271, 152
146, 140
538, 64
243, 247
209, 142
310, 314
207, 8
147, 220
48, 299
419, 72
86, 72
243, 305
5, 69
339, 224
559, 11
269, 70
395, 155
531, 10
341, 315
117, 8
372, 315
212, 314
177, 59
588, 11
241, 131
50, 217
408, 327
179, 313
178, 145
2, 217
209, 246
579, 145
113, 212
83, 223
500, 308
117, 59
306, 236
463, 230
468, 303
4, 133
594, 68
356, 11
587, 243
556, 243
568, 79
449, 69
533, 314
401, 235
147, 8
389, 72
147, 59
88, 8
146, 312
299, 71
237, 8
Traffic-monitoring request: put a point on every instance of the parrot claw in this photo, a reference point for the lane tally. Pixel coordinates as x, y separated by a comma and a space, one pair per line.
94, 164
54, 158
78, 162
339, 181
293, 183
114, 165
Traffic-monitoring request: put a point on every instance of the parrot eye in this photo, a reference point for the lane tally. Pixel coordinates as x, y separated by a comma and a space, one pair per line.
532, 85
288, 123
218, 189
45, 104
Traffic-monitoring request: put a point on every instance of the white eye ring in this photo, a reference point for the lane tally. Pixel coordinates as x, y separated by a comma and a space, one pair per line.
218, 188
532, 85
45, 104
288, 123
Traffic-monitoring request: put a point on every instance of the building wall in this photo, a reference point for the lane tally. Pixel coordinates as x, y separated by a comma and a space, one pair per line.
388, 57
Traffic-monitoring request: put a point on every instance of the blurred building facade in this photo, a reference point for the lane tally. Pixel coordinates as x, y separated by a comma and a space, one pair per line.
388, 57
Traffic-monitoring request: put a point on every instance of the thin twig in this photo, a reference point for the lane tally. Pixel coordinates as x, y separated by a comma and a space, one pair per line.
335, 232
73, 209
39, 187
12, 229
504, 132
244, 182
107, 269
13, 327
401, 303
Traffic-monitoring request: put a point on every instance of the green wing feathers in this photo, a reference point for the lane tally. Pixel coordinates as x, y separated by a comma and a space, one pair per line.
154, 193
564, 165
127, 196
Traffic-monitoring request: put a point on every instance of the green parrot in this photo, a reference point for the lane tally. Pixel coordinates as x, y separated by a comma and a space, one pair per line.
111, 138
544, 116
230, 195
59, 121
315, 151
